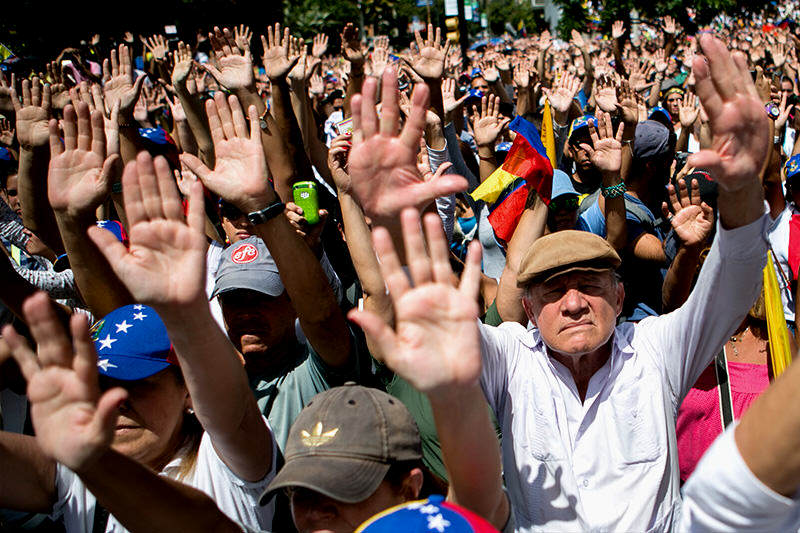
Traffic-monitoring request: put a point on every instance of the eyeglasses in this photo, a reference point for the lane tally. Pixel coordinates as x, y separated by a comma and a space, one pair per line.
564, 202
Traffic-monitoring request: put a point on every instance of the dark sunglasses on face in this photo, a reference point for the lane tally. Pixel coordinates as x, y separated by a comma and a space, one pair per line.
564, 202
229, 211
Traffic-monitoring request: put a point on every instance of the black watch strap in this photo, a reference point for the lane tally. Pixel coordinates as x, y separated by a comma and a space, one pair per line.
268, 213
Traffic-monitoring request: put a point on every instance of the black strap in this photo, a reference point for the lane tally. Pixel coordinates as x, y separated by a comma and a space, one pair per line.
723, 380
100, 518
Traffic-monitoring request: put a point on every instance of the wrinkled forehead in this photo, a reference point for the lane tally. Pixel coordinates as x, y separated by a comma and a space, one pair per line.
573, 277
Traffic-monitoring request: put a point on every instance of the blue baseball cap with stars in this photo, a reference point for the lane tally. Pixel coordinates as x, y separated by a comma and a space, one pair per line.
132, 343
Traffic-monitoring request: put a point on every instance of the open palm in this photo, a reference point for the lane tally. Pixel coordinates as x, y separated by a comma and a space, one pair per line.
73, 422
739, 127
240, 171
382, 164
165, 264
435, 340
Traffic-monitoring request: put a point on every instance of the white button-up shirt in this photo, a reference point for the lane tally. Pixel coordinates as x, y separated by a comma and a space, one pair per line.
610, 463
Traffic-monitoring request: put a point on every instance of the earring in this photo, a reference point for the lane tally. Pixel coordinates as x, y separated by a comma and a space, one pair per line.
190, 411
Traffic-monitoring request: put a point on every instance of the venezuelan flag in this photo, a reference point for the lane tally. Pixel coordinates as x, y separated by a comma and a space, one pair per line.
779, 350
526, 167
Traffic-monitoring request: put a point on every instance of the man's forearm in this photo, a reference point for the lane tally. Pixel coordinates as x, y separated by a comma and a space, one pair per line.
195, 117
37, 215
471, 452
678, 280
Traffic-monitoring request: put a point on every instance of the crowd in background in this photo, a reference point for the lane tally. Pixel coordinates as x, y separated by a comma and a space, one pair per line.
366, 287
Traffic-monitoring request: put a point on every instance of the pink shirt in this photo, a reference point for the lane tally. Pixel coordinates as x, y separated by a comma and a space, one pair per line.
699, 421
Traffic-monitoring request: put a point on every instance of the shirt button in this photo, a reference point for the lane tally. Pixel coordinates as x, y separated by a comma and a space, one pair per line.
634, 413
585, 483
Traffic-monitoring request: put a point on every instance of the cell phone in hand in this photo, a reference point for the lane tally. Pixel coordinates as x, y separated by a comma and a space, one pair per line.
170, 29
305, 196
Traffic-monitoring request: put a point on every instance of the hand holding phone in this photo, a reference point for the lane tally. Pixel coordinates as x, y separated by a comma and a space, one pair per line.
304, 194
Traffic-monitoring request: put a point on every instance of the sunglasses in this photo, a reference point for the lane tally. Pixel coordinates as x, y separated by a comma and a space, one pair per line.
570, 202
230, 211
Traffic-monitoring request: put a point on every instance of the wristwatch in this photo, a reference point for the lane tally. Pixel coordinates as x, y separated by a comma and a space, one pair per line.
266, 214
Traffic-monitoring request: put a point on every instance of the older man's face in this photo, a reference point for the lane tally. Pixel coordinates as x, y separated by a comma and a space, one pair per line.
576, 312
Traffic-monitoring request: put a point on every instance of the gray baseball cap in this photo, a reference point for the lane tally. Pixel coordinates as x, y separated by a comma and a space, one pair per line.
652, 140
248, 264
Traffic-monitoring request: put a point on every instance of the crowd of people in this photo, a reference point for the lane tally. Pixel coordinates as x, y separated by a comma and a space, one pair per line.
258, 285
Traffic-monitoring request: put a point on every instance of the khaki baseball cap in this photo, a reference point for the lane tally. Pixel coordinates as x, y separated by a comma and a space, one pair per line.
566, 251
343, 443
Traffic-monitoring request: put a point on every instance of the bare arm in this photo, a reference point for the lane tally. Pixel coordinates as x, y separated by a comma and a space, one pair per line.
531, 226
28, 480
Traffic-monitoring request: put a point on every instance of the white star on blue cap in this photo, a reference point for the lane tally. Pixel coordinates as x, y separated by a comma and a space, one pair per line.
123, 326
105, 364
107, 342
139, 316
438, 523
138, 307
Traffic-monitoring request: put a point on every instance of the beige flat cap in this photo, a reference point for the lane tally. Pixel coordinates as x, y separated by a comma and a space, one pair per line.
565, 251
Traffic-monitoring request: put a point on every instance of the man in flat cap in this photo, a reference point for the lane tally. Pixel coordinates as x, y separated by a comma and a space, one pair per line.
587, 408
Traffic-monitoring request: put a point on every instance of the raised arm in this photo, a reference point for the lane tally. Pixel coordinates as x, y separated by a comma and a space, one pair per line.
80, 179
192, 107
165, 268
240, 178
487, 124
731, 275
33, 113
435, 346
74, 425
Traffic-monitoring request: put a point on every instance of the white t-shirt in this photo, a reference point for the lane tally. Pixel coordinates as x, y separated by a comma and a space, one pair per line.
237, 498
723, 495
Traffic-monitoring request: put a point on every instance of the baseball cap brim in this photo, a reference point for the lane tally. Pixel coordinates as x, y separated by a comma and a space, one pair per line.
554, 273
270, 283
344, 479
128, 367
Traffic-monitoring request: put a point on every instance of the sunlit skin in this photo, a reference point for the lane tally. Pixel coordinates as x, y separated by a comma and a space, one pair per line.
151, 418
479, 84
673, 105
576, 314
237, 228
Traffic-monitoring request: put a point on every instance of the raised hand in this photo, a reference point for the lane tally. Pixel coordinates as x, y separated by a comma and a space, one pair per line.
434, 343
739, 127
606, 150
382, 164
379, 59
629, 101
276, 52
337, 161
577, 39
427, 58
242, 36
449, 96
669, 25
563, 92
182, 65
240, 173
351, 45
545, 40
157, 46
488, 123
235, 67
688, 110
6, 101
617, 29
165, 263
306, 66
78, 177
693, 219
319, 45
118, 83
639, 74
606, 94
659, 61
74, 423
32, 114
7, 132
